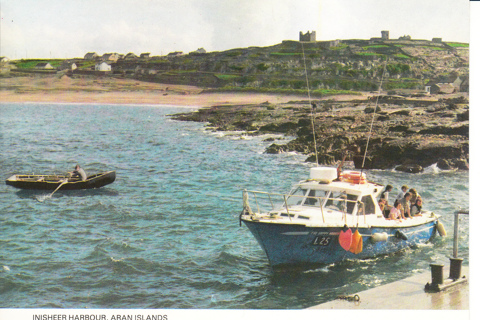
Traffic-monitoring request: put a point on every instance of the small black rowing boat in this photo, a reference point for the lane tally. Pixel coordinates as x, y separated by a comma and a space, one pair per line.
51, 182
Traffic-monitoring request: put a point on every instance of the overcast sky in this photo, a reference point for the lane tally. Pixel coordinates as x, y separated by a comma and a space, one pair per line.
71, 28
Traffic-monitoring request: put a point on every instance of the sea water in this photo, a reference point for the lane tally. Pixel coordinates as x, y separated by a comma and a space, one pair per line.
166, 233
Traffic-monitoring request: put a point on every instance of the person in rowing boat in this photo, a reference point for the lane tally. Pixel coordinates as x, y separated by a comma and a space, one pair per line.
78, 172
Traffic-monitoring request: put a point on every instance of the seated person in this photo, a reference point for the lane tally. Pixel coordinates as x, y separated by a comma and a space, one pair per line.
396, 212
384, 207
78, 172
416, 209
405, 202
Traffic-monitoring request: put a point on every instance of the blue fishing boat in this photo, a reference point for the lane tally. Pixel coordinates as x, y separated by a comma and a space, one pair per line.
329, 218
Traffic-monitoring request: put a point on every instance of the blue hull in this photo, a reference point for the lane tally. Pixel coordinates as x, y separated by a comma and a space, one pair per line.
297, 244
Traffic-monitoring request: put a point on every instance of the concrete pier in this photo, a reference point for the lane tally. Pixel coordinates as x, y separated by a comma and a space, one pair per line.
407, 294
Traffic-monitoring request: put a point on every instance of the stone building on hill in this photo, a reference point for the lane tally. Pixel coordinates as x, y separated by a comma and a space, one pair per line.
91, 56
308, 37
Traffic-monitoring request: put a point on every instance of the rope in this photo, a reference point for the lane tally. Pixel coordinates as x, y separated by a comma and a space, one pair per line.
311, 105
373, 117
355, 298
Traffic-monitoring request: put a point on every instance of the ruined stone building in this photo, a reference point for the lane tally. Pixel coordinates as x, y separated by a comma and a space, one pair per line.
385, 35
308, 37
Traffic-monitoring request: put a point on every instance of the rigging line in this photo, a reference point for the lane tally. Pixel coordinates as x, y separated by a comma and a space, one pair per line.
311, 105
373, 116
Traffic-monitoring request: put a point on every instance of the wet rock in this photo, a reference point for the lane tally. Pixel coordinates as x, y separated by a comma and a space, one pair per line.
444, 164
461, 164
464, 116
372, 109
409, 138
400, 128
275, 149
461, 129
404, 112
410, 168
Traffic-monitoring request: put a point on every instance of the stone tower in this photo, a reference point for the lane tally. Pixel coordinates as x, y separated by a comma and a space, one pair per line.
385, 35
308, 37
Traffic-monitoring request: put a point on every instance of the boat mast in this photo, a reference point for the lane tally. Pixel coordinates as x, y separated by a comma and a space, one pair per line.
373, 116
313, 106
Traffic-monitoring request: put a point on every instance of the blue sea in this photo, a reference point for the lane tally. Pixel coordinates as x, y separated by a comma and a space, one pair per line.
166, 233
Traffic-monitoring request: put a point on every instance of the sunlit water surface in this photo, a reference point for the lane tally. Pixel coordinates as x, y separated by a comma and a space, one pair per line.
166, 234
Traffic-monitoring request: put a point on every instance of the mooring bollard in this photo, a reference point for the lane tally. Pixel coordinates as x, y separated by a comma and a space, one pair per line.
437, 274
455, 276
455, 268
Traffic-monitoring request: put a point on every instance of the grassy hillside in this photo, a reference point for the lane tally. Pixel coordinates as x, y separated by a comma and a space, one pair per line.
348, 65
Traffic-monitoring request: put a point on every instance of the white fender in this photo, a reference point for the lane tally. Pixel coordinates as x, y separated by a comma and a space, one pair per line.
377, 237
441, 229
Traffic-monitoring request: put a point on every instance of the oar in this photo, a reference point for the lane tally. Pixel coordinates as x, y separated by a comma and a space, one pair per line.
61, 184
51, 194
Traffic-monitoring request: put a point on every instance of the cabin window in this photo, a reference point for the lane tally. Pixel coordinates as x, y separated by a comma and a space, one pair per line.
296, 197
341, 201
314, 198
369, 205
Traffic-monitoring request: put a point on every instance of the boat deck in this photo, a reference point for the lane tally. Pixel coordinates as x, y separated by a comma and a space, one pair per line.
407, 294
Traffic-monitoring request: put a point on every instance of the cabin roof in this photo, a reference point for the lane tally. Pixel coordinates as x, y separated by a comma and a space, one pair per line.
337, 186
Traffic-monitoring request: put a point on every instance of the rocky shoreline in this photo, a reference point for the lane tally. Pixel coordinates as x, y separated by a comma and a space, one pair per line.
407, 134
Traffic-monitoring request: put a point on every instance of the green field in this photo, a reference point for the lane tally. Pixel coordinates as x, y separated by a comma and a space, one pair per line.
31, 63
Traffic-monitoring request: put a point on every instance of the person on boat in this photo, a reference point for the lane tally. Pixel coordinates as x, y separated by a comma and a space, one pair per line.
342, 204
414, 194
401, 195
396, 212
386, 192
406, 205
339, 168
382, 204
416, 209
78, 172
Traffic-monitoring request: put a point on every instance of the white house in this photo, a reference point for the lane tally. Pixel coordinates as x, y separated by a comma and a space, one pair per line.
43, 65
103, 66
67, 65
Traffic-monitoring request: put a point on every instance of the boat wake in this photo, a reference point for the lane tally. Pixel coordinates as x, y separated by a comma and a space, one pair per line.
43, 197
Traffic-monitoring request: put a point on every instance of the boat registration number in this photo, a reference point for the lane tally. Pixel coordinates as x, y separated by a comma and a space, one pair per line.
321, 241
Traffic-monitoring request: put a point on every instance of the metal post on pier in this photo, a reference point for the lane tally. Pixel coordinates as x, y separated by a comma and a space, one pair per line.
455, 276
455, 262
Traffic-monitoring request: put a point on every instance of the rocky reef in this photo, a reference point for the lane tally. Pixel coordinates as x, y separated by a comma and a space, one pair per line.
406, 134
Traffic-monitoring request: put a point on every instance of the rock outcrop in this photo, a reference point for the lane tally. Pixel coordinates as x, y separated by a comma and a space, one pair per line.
408, 136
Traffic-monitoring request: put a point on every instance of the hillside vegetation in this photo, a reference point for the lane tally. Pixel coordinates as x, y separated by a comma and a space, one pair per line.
349, 65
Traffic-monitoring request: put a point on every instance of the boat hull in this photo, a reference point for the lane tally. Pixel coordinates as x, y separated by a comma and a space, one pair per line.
297, 244
50, 183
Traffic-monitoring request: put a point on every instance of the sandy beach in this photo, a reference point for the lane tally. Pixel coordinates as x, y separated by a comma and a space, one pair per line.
36, 88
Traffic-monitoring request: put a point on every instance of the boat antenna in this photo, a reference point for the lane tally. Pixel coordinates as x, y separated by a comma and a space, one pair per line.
374, 112
313, 105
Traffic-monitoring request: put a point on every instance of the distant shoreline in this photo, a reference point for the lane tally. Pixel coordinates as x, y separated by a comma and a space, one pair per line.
115, 91
145, 98
126, 91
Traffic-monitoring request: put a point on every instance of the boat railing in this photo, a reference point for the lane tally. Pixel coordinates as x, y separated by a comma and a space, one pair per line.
268, 202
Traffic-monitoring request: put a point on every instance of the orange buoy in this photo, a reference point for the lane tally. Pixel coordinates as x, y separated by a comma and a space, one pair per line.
357, 243
345, 239
354, 177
